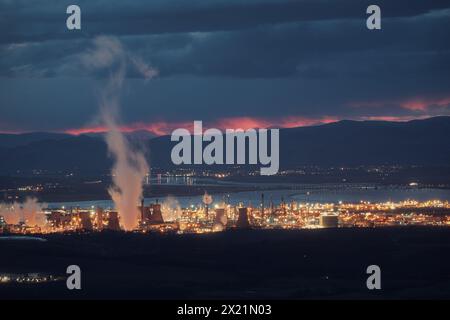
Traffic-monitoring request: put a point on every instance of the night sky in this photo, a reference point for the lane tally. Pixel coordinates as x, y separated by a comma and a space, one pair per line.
230, 63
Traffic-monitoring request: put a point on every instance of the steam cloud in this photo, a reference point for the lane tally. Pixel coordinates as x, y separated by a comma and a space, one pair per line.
30, 212
130, 166
171, 210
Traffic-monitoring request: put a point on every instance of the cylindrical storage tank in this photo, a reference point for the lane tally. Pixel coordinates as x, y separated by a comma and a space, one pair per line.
329, 220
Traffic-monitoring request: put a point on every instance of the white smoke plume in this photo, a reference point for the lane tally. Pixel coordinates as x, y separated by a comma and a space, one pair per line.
30, 212
171, 209
130, 166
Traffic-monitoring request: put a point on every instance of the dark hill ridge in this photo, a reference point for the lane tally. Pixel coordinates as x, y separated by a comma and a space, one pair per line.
422, 142
418, 142
74, 153
15, 140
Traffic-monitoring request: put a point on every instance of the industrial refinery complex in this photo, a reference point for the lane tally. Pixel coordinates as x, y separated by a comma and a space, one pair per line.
217, 217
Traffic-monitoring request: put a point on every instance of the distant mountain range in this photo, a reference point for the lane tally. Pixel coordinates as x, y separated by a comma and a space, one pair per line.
417, 142
17, 140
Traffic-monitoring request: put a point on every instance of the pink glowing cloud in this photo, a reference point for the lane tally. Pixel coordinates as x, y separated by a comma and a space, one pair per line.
425, 104
160, 128
391, 118
416, 104
157, 128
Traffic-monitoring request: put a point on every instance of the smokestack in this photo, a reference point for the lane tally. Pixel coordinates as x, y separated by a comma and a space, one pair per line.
207, 200
271, 206
142, 210
262, 204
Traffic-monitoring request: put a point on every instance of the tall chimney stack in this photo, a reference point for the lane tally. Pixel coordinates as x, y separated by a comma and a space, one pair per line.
262, 204
142, 210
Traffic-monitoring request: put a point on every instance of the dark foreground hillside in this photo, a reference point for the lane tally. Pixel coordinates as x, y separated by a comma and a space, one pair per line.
328, 264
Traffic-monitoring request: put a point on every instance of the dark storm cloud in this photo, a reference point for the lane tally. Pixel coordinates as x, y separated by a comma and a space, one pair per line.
316, 49
230, 58
233, 38
24, 20
313, 50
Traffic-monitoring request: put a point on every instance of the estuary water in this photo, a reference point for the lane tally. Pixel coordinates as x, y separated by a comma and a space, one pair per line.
298, 193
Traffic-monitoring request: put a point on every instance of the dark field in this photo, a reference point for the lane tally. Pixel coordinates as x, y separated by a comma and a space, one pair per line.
307, 264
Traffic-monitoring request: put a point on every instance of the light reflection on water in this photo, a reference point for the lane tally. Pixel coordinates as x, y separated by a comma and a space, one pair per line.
303, 193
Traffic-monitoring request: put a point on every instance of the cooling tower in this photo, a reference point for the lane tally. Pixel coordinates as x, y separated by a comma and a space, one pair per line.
156, 216
151, 214
329, 220
145, 214
221, 217
113, 221
99, 217
85, 220
242, 221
